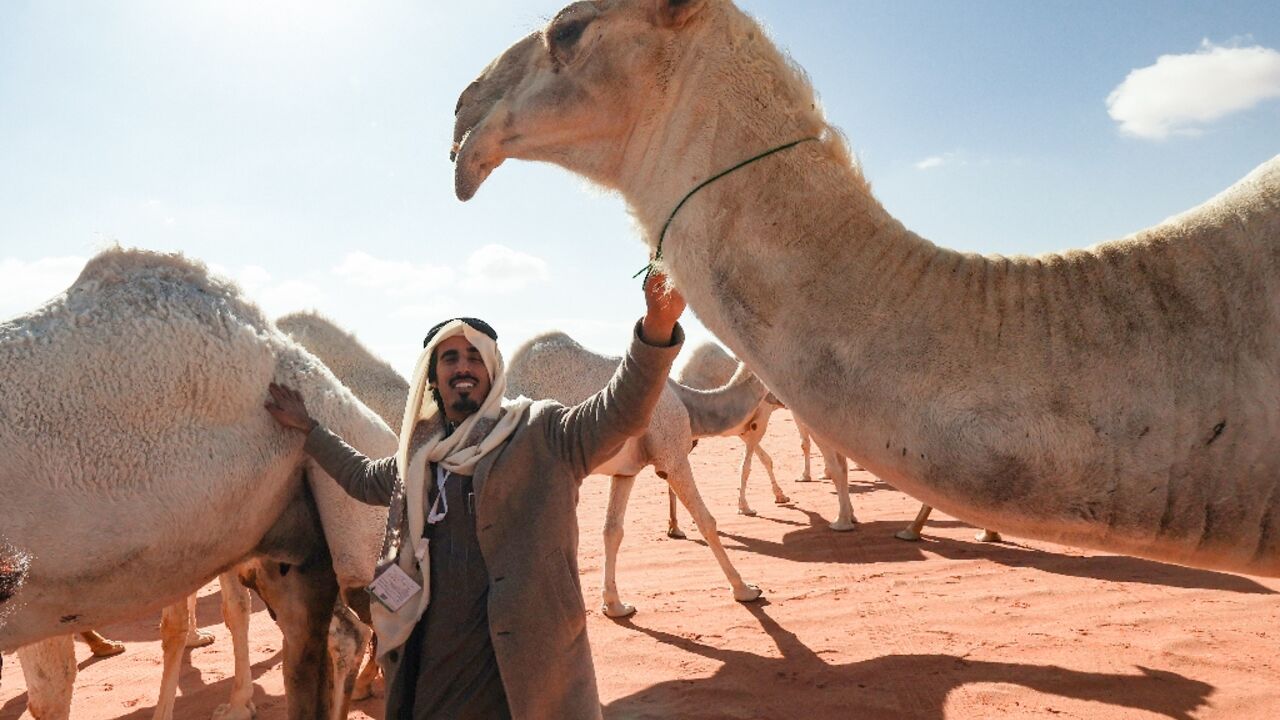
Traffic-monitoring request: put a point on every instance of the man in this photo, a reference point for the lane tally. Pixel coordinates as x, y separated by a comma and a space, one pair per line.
484, 615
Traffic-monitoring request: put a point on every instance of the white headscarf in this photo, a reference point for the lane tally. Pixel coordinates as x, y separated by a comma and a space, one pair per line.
477, 436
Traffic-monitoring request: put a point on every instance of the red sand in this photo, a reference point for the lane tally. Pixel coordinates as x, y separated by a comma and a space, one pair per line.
855, 624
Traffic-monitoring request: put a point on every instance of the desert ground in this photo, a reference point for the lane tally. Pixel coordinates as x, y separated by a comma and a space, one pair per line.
854, 624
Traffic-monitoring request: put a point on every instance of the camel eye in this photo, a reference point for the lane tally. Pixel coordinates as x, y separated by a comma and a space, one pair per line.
567, 34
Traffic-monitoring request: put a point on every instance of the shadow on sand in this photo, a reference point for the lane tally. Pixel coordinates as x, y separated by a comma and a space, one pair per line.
800, 684
873, 542
196, 698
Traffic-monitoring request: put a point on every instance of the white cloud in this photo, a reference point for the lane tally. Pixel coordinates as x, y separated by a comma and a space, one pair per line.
497, 269
490, 270
29, 283
937, 161
1181, 93
276, 298
393, 277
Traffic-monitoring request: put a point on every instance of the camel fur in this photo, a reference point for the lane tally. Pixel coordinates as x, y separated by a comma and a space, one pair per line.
138, 454
1122, 397
554, 366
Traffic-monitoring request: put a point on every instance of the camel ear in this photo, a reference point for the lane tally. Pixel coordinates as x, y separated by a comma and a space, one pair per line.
675, 13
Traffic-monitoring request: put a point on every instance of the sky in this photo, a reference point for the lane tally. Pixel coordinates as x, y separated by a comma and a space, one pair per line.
300, 147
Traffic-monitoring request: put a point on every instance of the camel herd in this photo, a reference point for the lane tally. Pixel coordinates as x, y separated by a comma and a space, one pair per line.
1125, 397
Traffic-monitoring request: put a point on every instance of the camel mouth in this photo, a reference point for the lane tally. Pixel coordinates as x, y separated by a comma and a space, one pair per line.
470, 170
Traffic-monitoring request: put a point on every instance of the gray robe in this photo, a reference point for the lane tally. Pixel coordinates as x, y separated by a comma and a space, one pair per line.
527, 527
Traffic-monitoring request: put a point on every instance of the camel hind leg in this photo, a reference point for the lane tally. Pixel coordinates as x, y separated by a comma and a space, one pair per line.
348, 638
680, 477
779, 497
236, 609
619, 495
50, 669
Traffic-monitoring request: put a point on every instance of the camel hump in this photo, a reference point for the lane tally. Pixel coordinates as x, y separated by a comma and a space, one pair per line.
148, 283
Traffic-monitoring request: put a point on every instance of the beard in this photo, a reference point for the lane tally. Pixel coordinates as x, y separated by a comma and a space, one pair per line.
465, 405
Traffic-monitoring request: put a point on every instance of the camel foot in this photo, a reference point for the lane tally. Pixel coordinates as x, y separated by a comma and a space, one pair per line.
748, 593
618, 611
743, 510
908, 534
199, 639
805, 478
988, 536
781, 500
226, 712
676, 533
102, 647
842, 525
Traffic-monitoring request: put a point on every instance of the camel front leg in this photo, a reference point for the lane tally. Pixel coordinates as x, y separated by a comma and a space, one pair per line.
348, 638
840, 478
743, 507
619, 494
370, 683
306, 598
911, 533
680, 477
236, 609
673, 525
806, 446
196, 638
173, 636
50, 669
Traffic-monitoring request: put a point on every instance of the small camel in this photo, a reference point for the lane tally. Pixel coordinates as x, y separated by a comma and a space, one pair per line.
553, 366
1121, 397
710, 366
138, 393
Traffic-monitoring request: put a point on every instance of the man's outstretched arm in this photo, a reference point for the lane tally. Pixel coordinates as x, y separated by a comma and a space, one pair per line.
369, 481
590, 432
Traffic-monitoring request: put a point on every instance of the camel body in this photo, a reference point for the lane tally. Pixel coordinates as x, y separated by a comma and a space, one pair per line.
139, 456
1124, 397
554, 366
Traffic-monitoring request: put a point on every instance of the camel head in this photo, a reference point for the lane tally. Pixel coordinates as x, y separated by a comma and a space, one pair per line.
577, 93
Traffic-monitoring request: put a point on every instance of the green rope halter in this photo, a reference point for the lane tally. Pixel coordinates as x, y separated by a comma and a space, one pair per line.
648, 269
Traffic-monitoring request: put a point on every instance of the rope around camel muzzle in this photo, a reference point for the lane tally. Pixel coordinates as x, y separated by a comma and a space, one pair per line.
657, 255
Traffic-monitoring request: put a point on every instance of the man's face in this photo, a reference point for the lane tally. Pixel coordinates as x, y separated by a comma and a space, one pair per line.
461, 377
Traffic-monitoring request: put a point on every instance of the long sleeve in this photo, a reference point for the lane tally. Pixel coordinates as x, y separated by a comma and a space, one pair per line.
369, 481
590, 432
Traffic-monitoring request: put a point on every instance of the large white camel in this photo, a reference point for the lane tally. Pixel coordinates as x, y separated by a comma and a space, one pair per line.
138, 455
1125, 397
709, 365
554, 366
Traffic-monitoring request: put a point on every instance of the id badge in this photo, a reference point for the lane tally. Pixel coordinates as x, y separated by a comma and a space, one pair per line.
393, 587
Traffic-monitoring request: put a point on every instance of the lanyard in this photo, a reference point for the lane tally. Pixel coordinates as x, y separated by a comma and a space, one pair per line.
440, 507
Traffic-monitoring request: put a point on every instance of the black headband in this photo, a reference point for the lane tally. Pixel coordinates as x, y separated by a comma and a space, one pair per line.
476, 324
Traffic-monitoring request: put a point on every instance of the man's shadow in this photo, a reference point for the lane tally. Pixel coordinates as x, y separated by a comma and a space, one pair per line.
873, 542
800, 684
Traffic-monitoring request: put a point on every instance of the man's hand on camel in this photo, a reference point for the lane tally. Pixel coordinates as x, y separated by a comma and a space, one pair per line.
664, 305
287, 407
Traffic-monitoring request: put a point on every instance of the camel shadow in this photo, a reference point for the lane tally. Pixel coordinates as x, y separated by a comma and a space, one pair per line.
802, 684
873, 542
196, 698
